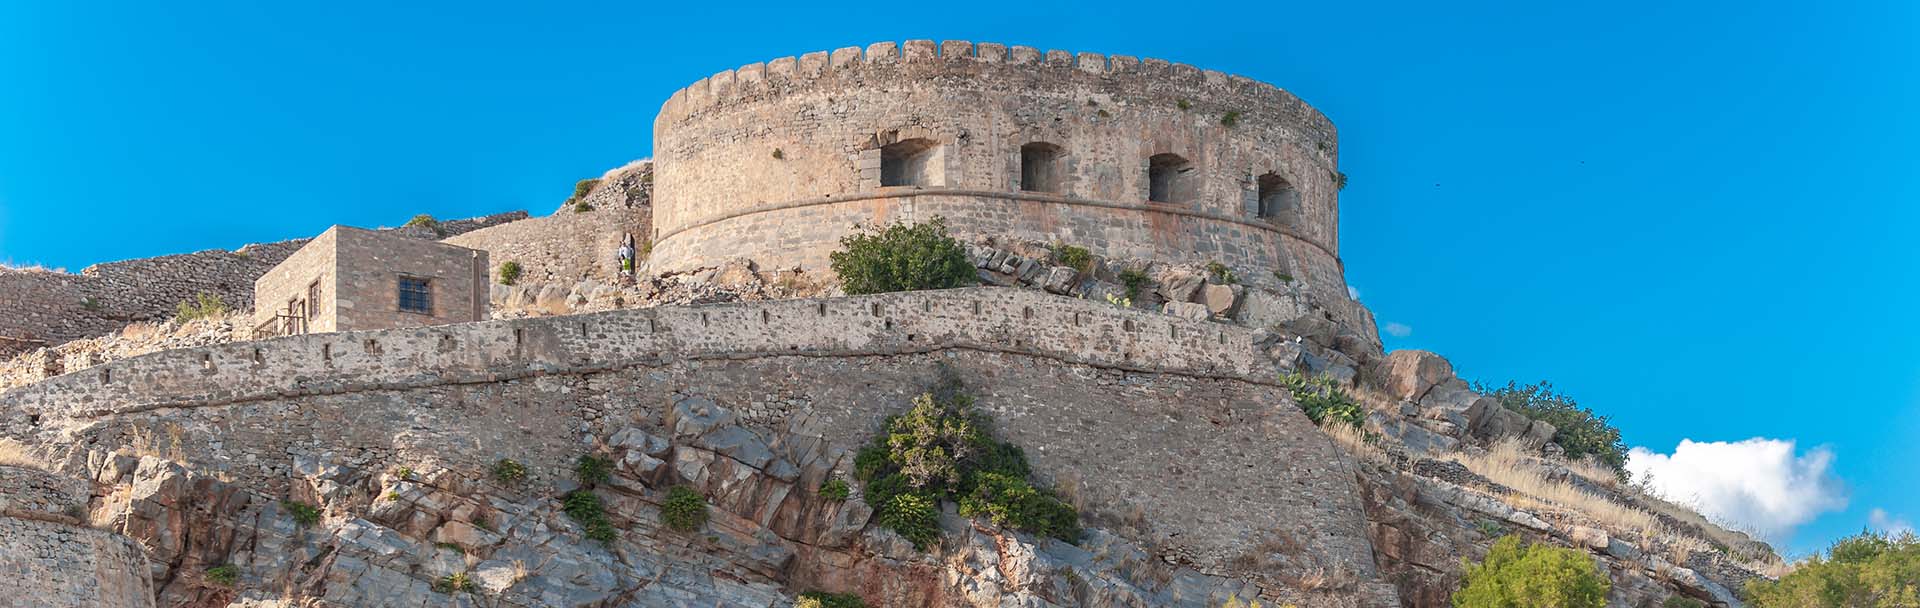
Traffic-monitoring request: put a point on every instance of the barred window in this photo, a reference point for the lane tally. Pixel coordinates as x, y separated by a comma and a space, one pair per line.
415, 296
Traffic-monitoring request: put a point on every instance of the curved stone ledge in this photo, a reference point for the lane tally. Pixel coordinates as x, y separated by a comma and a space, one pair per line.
1006, 320
914, 192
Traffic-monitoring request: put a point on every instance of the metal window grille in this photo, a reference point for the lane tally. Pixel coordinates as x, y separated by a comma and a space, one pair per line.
415, 296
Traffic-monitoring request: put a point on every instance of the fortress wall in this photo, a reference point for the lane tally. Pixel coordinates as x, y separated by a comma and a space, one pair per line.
1174, 424
569, 246
1011, 320
49, 306
777, 161
715, 139
52, 559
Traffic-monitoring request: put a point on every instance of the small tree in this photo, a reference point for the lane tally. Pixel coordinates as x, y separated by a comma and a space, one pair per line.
509, 272
901, 257
1518, 576
1868, 569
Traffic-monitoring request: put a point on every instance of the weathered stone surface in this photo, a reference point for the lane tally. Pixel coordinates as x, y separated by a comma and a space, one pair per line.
1410, 374
1221, 299
1188, 310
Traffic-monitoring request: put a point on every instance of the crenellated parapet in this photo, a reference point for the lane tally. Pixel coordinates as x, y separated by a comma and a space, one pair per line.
1130, 158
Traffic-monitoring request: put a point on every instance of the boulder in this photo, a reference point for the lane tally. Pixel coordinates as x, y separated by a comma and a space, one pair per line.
1539, 433
1060, 280
1262, 308
1221, 299
1180, 287
1409, 374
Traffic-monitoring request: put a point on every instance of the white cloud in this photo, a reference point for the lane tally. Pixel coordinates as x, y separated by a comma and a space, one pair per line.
1759, 485
1398, 330
1881, 521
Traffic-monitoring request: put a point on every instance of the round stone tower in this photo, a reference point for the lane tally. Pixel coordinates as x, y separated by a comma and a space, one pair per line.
1129, 158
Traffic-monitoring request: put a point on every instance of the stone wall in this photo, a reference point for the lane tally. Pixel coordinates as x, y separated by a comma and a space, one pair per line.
569, 246
49, 557
55, 307
1148, 416
776, 161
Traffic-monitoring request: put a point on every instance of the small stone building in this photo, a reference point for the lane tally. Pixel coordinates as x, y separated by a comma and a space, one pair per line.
350, 279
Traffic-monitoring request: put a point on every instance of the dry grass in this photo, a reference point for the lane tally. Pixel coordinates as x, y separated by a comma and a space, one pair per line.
144, 443
1355, 442
1592, 471
1506, 463
16, 454
622, 169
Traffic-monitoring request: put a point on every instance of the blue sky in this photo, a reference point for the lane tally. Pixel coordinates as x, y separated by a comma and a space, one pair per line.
1696, 219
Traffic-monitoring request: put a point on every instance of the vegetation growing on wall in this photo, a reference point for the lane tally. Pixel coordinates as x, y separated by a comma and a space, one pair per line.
580, 191
1515, 575
1865, 570
223, 575
835, 489
303, 514
1135, 280
509, 472
901, 257
509, 272
1323, 400
1578, 430
1077, 258
202, 306
943, 450
684, 509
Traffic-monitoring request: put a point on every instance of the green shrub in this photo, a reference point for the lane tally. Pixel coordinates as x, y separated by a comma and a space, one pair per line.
1221, 273
423, 221
580, 191
509, 472
1867, 570
1339, 180
585, 508
90, 303
1183, 104
1135, 280
592, 470
941, 449
303, 514
1514, 575
1077, 258
451, 547
223, 575
835, 489
902, 257
403, 472
202, 306
1231, 118
457, 582
1284, 277
1681, 601
914, 516
818, 599
777, 154
1323, 400
509, 272
684, 509
1576, 429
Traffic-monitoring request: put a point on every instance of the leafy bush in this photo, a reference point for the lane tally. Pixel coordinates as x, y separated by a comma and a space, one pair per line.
941, 449
457, 582
1323, 400
1514, 575
423, 221
303, 514
1221, 273
1135, 280
580, 191
509, 272
223, 575
1681, 601
1183, 104
1231, 118
915, 517
1077, 258
1577, 429
509, 472
1867, 570
592, 470
585, 508
902, 257
835, 490
818, 599
202, 306
1284, 277
684, 509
